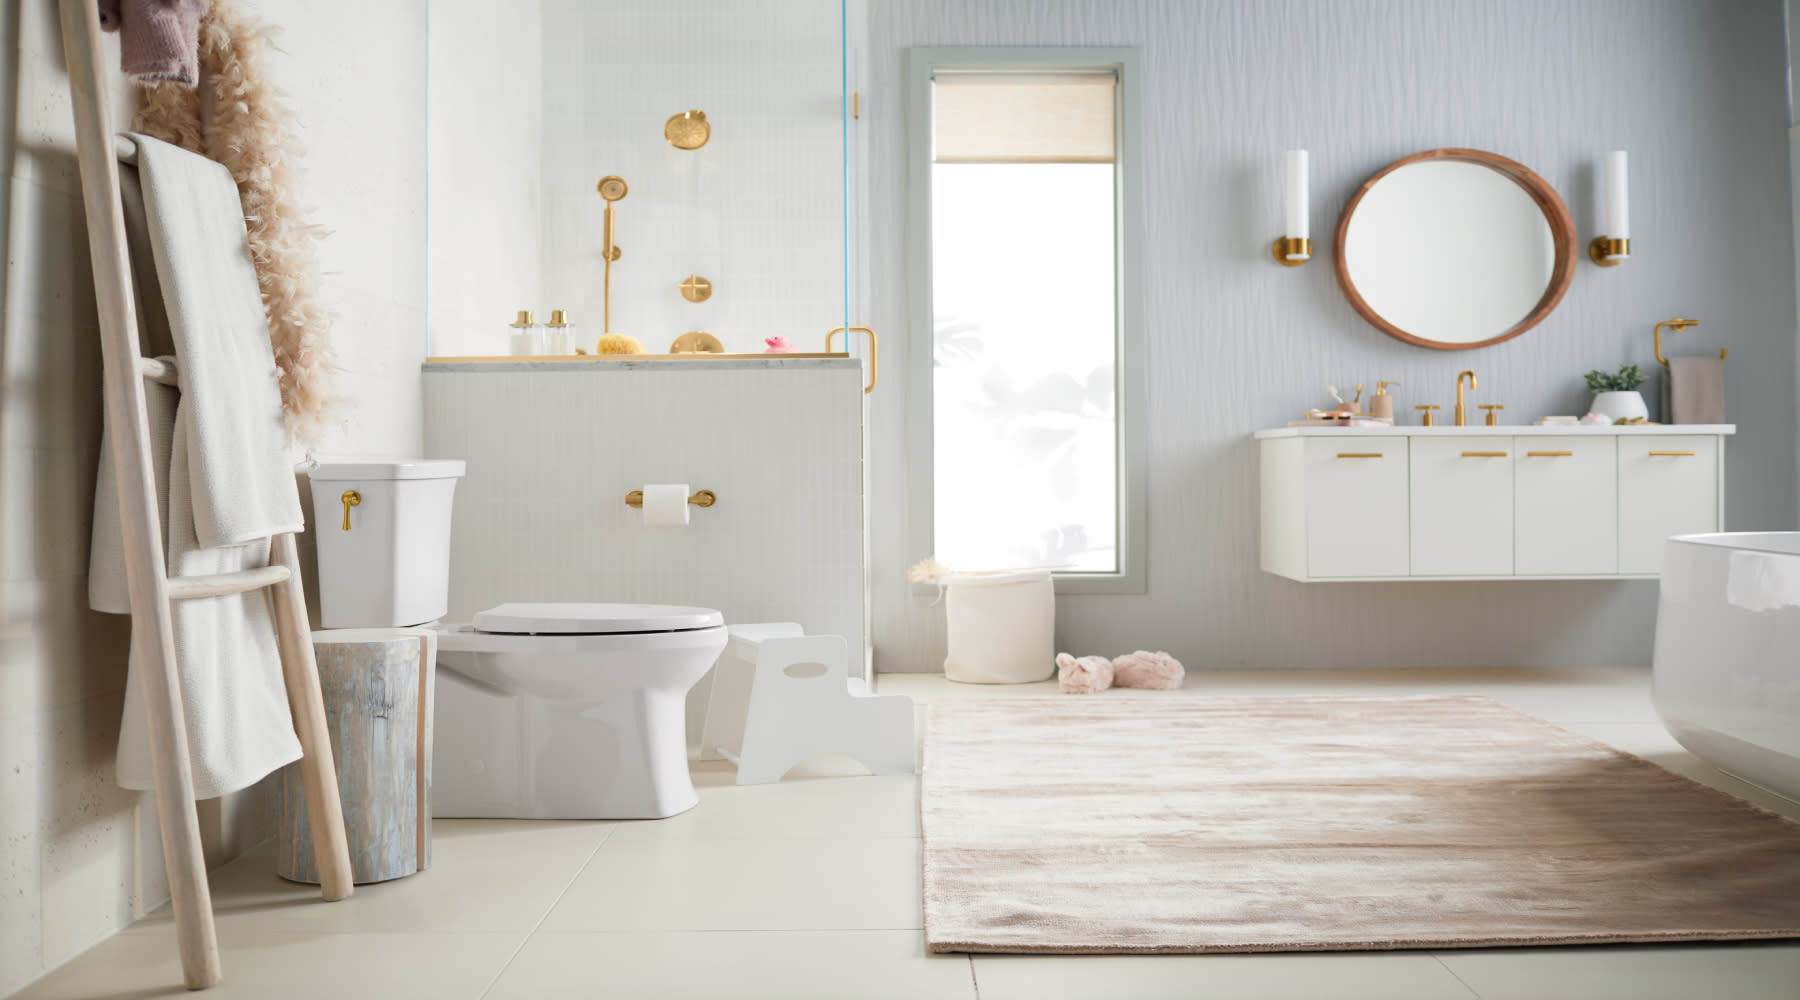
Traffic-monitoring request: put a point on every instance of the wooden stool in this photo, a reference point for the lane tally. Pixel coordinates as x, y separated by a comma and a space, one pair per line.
378, 686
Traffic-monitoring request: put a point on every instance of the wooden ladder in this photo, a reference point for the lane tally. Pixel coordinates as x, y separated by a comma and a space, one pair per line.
152, 590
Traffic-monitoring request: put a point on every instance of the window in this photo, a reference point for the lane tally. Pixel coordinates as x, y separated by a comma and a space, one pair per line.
1023, 212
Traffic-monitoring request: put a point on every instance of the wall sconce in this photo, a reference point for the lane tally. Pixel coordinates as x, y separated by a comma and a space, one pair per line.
1295, 248
1615, 194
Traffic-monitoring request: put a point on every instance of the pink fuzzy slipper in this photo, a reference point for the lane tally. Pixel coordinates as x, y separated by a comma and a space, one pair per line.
1087, 675
1156, 671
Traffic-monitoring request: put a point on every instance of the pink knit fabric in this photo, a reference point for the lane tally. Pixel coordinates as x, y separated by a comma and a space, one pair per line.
159, 40
1156, 671
1087, 675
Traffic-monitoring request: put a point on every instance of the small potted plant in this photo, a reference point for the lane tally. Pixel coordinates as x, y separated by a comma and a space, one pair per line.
1616, 394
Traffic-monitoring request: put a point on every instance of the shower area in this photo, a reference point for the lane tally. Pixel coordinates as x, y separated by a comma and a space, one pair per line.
680, 172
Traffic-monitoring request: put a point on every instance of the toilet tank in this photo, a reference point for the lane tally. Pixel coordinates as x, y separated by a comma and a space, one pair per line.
384, 556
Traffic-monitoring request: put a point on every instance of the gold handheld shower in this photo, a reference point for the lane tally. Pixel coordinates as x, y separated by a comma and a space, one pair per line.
612, 188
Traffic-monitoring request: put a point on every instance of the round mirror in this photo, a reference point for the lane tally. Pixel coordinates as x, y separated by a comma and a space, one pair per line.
1455, 249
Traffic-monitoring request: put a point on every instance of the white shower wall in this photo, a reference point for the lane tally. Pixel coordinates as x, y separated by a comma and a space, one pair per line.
758, 211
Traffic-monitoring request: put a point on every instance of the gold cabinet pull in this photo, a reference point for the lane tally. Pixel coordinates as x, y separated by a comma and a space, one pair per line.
1361, 454
1672, 454
1484, 454
704, 498
1549, 454
874, 352
351, 499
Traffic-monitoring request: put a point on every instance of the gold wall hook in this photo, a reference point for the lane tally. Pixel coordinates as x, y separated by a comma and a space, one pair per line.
1675, 324
704, 498
351, 499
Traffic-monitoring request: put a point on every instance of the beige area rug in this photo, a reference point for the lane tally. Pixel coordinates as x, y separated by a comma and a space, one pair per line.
1199, 824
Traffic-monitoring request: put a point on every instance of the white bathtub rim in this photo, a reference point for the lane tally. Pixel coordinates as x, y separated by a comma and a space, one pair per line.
1780, 543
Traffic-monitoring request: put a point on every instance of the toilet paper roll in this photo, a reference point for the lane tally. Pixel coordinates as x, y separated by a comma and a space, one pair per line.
665, 505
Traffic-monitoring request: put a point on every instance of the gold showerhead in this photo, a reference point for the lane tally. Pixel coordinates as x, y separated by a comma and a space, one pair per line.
612, 187
687, 130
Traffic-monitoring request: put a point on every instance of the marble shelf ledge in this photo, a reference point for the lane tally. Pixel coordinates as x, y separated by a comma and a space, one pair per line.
1503, 430
637, 362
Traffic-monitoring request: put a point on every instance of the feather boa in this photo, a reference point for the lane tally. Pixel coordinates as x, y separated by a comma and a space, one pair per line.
251, 132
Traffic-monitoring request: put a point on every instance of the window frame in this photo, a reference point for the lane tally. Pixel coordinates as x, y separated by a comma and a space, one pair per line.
1128, 389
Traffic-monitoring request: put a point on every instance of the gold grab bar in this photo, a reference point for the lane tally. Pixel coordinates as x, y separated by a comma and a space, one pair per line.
1673, 454
874, 352
1361, 454
1484, 454
1549, 454
1678, 324
704, 498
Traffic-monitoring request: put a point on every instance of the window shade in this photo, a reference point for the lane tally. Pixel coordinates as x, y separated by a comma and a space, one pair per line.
1023, 117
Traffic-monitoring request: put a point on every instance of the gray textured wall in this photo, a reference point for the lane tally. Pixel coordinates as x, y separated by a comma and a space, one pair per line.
1695, 89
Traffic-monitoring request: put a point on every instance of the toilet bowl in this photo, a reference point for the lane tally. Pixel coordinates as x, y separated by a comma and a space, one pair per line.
569, 711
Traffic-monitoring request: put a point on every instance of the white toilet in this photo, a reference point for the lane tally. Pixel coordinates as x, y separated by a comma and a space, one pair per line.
543, 711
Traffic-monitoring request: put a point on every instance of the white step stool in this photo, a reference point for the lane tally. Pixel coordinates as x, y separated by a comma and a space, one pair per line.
780, 696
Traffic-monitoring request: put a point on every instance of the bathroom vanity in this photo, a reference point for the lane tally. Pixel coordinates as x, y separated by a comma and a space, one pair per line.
1485, 503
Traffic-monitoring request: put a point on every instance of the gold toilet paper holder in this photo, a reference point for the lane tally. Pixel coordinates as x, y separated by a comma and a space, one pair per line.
704, 498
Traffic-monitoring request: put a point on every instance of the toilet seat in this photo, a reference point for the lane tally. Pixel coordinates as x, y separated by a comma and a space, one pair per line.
593, 619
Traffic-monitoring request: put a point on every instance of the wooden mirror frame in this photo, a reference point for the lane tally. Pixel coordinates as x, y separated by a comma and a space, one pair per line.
1562, 233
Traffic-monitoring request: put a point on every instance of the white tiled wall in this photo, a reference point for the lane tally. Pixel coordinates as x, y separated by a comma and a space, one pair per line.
541, 514
79, 856
758, 210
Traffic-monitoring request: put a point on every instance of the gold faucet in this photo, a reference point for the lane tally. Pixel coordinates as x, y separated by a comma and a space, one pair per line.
1461, 414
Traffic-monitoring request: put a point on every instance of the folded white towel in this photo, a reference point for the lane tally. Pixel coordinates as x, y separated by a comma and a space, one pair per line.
223, 480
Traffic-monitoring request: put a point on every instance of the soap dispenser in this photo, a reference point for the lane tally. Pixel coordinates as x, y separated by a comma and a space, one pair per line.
527, 337
559, 334
1381, 404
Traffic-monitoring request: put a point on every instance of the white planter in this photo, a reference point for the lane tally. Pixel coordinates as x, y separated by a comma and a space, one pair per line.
1002, 628
1620, 405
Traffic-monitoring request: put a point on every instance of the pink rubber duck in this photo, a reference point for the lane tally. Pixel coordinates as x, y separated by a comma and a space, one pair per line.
779, 345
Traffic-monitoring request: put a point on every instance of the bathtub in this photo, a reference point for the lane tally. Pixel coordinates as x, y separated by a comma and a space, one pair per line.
1727, 662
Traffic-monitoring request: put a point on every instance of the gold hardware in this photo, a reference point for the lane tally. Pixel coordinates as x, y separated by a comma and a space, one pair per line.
696, 289
558, 317
1361, 454
697, 342
611, 187
874, 352
523, 319
1484, 454
1549, 454
1492, 420
1425, 419
687, 130
856, 105
704, 498
1285, 245
1461, 420
1381, 387
1676, 324
1673, 454
351, 499
1604, 247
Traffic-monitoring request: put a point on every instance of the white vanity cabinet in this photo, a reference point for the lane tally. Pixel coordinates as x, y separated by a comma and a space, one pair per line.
1484, 503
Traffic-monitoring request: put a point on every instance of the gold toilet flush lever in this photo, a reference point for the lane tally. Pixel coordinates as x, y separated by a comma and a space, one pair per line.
351, 499
704, 498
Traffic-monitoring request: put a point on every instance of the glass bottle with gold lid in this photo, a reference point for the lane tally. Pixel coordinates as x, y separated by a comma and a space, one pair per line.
559, 334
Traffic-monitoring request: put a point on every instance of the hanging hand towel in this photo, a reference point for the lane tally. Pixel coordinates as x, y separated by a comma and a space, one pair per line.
159, 40
1694, 391
224, 482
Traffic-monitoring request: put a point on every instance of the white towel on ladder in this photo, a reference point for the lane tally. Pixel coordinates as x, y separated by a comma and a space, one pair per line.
224, 480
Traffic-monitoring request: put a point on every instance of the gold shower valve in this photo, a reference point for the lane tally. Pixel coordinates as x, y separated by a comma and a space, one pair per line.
351, 499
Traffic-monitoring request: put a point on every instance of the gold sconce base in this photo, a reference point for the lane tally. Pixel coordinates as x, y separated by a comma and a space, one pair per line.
1291, 245
1603, 248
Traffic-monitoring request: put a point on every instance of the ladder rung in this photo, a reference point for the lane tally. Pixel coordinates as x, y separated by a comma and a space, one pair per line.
156, 371
188, 588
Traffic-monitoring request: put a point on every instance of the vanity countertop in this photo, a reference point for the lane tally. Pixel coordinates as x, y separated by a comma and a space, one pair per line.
1503, 430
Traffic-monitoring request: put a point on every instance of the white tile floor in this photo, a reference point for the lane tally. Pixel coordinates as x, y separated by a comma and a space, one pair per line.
810, 888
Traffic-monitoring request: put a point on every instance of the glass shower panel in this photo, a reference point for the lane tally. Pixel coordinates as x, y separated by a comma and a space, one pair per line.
726, 123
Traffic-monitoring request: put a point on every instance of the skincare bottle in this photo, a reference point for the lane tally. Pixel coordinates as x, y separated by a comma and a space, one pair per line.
559, 334
527, 337
1381, 404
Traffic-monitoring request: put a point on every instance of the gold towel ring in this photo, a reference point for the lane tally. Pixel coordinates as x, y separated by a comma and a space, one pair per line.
1679, 324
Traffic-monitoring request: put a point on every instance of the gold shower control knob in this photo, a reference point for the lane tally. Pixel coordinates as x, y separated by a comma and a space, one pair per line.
351, 499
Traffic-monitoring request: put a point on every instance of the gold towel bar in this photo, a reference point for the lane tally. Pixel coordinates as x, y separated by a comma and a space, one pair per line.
1360, 454
704, 498
1549, 454
1673, 454
1484, 454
